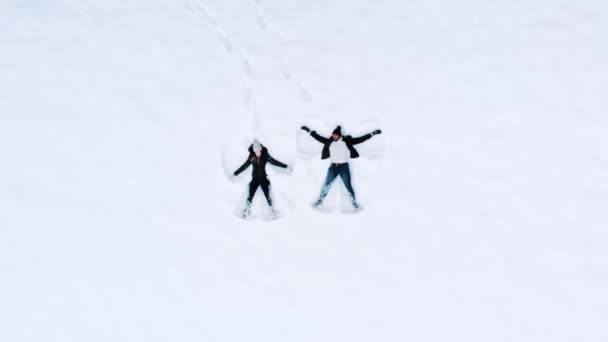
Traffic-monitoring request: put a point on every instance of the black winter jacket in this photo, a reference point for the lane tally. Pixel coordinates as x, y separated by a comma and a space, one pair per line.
259, 164
350, 142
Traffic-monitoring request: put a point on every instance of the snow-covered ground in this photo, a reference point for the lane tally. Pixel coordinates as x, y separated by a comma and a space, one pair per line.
485, 199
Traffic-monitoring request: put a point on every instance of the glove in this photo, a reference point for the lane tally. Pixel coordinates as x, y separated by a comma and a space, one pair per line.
376, 132
304, 128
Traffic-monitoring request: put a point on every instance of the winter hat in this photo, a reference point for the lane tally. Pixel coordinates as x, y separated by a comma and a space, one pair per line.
338, 131
257, 147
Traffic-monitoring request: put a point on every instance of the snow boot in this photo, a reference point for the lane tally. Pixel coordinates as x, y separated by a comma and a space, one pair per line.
273, 213
247, 211
356, 205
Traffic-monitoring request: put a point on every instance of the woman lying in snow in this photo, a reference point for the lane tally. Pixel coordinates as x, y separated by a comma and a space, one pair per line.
258, 158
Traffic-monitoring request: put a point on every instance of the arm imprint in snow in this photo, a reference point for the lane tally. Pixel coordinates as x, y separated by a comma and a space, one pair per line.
243, 167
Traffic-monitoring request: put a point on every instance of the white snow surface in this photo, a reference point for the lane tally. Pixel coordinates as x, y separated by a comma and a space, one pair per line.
486, 197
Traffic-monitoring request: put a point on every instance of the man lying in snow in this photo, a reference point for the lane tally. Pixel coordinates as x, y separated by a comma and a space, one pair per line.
258, 158
339, 150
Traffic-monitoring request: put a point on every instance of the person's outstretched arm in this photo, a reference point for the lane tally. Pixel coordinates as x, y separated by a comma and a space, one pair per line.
314, 134
243, 167
276, 162
366, 137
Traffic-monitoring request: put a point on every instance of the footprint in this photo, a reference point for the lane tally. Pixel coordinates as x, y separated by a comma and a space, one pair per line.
304, 93
225, 40
189, 5
261, 19
282, 38
249, 97
247, 67
206, 12
286, 72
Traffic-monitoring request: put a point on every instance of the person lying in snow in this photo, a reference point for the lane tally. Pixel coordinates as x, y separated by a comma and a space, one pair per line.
258, 158
339, 150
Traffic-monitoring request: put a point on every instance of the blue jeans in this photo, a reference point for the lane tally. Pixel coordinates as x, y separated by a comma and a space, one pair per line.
335, 170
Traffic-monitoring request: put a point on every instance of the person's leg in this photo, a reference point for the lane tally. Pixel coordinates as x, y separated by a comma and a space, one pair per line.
332, 173
266, 189
345, 175
253, 187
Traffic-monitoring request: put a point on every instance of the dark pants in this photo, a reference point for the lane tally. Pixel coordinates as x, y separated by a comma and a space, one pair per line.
335, 170
255, 184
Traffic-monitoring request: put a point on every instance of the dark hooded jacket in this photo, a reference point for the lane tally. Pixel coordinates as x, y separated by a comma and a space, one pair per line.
349, 140
259, 164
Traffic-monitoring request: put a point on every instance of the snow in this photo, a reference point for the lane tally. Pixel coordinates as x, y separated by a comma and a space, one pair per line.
485, 197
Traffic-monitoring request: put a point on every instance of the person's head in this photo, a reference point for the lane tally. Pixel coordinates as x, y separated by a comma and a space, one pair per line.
257, 149
337, 133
